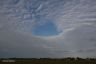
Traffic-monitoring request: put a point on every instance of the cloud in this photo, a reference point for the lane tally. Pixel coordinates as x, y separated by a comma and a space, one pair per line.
64, 14
74, 18
74, 40
74, 13
22, 45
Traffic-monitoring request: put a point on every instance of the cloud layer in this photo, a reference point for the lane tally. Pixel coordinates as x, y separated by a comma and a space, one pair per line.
74, 19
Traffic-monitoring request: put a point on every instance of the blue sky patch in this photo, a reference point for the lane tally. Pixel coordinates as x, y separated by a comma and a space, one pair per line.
47, 29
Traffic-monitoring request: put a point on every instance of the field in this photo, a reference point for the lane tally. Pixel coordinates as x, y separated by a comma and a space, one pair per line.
47, 61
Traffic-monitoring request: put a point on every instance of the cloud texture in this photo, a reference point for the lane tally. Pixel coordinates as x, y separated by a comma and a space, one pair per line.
74, 19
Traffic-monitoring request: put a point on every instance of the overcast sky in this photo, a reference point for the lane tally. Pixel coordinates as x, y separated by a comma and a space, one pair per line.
47, 28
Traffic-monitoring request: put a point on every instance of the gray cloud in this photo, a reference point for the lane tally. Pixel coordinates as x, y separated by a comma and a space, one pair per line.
22, 45
75, 18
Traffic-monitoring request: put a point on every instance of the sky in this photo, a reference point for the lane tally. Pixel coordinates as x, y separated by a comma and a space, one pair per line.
47, 28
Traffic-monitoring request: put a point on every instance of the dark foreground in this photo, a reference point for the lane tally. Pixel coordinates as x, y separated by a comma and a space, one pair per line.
48, 61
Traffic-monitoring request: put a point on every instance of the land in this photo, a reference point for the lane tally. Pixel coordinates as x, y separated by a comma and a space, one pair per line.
47, 61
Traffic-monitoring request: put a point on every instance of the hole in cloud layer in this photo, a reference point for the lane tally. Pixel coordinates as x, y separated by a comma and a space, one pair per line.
46, 29
37, 24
